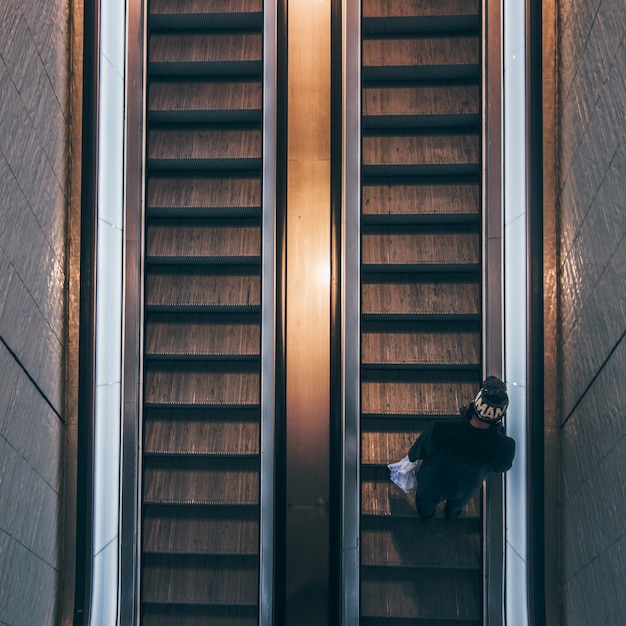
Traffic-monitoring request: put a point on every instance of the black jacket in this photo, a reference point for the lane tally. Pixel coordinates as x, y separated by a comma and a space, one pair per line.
457, 456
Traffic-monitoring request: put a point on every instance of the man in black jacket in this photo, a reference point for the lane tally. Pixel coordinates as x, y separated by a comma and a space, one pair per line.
457, 454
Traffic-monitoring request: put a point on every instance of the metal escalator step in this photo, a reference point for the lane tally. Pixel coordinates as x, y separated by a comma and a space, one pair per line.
195, 54
204, 197
200, 530
381, 498
416, 393
390, 249
196, 14
191, 480
441, 297
200, 434
194, 615
448, 366
449, 203
409, 418
423, 58
432, 106
196, 355
201, 336
201, 259
421, 155
382, 448
202, 243
206, 102
419, 16
202, 384
187, 291
198, 149
435, 594
401, 542
422, 268
212, 580
400, 621
414, 344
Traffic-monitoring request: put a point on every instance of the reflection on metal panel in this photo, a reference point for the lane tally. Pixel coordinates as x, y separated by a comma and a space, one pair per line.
109, 280
308, 313
515, 304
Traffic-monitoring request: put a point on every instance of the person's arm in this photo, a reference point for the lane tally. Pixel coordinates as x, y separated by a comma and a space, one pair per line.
506, 462
424, 446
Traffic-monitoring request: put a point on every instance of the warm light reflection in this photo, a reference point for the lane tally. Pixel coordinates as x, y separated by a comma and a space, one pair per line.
308, 307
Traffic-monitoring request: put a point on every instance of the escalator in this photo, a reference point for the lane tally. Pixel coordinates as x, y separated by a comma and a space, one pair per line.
420, 307
201, 425
421, 298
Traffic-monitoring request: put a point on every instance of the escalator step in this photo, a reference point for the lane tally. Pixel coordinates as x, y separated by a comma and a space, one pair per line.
384, 447
420, 16
410, 421
194, 54
198, 149
201, 423
427, 594
426, 394
430, 106
203, 292
404, 542
421, 155
193, 615
434, 58
412, 345
409, 621
198, 243
201, 530
190, 579
201, 436
381, 498
196, 14
193, 336
193, 481
404, 204
390, 250
426, 298
201, 384
204, 197
207, 102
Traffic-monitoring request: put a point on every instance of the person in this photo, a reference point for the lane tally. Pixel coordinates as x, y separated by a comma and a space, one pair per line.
458, 453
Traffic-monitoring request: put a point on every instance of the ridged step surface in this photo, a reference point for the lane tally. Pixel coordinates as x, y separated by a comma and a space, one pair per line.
201, 422
420, 298
205, 102
194, 14
420, 16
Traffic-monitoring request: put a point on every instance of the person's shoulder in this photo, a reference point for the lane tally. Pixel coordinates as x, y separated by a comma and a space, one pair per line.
508, 445
450, 425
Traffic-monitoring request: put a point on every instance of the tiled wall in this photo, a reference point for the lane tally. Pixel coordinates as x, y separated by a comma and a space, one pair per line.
592, 374
34, 61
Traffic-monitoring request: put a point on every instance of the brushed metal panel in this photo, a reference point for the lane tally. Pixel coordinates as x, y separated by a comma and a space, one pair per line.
308, 313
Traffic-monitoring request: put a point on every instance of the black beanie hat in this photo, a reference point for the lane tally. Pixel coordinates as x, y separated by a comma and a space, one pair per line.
491, 401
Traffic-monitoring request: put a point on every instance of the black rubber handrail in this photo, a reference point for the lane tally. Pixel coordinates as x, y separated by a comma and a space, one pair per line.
87, 317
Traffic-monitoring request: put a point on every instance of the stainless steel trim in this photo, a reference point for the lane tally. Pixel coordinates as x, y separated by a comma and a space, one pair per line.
268, 318
132, 372
351, 310
492, 294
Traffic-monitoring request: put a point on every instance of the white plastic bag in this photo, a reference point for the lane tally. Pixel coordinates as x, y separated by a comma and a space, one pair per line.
404, 473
